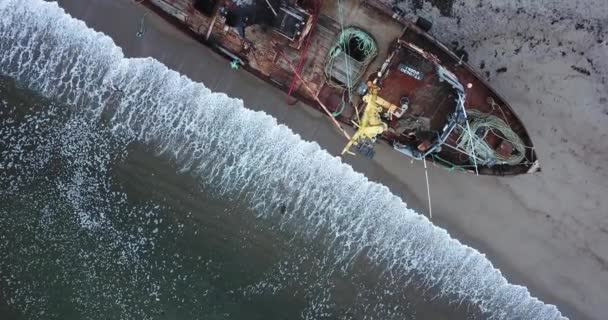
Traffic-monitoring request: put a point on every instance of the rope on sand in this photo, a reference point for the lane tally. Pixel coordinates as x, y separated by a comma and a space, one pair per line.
428, 189
142, 26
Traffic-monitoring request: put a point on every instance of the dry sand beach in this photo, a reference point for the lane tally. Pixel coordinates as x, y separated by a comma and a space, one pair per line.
547, 231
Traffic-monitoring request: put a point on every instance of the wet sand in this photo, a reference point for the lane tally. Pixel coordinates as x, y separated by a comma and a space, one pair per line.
544, 231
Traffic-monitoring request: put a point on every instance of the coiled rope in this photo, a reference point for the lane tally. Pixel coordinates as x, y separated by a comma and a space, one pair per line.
365, 44
475, 145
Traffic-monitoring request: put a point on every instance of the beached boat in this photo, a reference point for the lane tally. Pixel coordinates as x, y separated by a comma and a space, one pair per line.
368, 67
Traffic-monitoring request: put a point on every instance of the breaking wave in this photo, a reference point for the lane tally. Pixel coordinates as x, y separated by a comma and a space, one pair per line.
247, 154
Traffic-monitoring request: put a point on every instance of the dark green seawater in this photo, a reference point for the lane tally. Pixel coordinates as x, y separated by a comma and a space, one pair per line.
97, 228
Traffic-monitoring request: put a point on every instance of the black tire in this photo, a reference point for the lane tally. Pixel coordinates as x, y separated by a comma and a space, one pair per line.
424, 24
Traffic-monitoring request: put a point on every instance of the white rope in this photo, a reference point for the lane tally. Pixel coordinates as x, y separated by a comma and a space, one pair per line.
428, 189
466, 119
271, 8
476, 145
348, 80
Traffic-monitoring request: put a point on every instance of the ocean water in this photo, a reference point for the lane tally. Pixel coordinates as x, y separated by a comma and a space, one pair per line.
98, 227
130, 192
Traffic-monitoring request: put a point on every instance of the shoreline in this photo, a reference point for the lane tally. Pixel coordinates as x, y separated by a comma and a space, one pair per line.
499, 224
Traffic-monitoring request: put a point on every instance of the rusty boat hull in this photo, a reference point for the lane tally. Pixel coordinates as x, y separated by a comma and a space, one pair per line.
325, 52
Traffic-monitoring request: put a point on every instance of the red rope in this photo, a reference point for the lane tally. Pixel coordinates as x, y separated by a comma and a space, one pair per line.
294, 81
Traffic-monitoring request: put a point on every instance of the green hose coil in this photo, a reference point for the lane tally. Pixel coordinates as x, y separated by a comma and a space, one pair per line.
365, 44
475, 145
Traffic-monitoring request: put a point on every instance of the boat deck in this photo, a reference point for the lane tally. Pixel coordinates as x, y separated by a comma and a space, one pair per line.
259, 50
273, 45
428, 96
479, 95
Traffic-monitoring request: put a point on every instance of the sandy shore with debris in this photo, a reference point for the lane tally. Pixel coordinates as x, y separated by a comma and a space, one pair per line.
547, 231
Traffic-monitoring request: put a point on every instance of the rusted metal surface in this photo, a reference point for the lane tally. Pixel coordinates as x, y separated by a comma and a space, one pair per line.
479, 96
271, 54
428, 96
